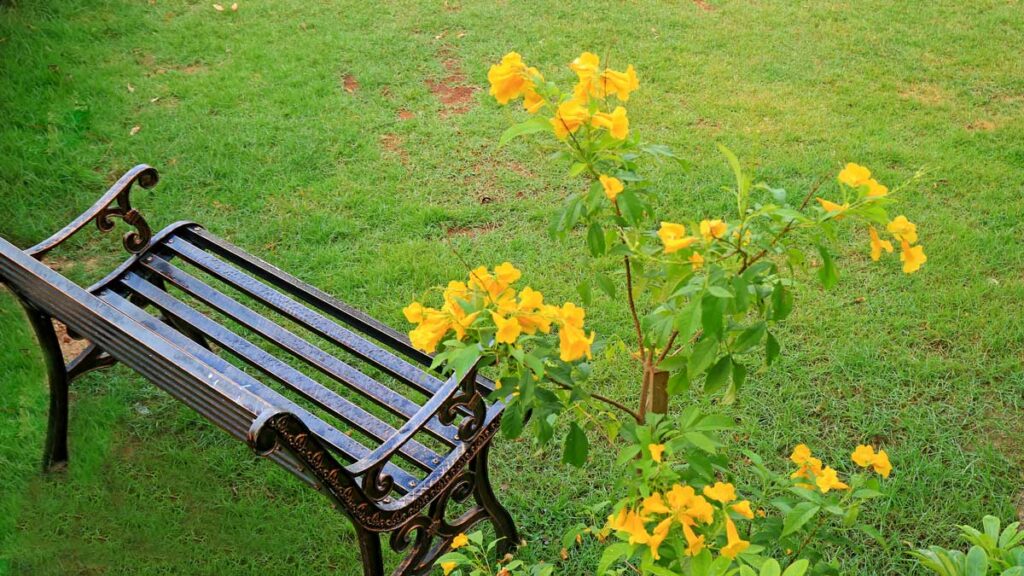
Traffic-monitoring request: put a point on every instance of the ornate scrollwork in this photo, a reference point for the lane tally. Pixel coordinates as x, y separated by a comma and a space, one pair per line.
467, 398
103, 210
376, 484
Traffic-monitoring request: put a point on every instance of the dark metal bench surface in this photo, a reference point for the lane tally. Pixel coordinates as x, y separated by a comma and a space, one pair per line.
334, 396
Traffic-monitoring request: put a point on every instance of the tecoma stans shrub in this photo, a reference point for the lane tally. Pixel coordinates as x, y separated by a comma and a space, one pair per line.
705, 293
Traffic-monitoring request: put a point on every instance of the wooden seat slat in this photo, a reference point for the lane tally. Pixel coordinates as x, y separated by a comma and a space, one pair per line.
259, 358
300, 348
349, 448
354, 343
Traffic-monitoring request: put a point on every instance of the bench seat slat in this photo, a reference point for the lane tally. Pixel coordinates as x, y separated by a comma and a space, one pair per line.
412, 375
348, 447
327, 399
323, 361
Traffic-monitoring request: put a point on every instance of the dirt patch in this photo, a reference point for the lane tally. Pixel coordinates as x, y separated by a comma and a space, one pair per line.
703, 5
453, 92
981, 126
349, 83
392, 143
70, 347
471, 231
927, 94
406, 114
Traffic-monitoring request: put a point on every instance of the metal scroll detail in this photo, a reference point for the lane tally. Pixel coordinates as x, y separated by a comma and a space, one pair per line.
467, 399
115, 203
428, 536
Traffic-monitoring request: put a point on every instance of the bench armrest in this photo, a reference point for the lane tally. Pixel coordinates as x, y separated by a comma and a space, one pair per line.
450, 400
102, 212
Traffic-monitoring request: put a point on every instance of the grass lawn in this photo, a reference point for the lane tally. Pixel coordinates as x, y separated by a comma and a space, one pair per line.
351, 145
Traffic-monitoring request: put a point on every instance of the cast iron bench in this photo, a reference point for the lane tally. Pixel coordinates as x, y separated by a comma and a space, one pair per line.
335, 397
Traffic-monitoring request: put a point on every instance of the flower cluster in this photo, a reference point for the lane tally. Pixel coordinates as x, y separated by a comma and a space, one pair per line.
858, 179
674, 238
692, 512
488, 306
512, 79
865, 457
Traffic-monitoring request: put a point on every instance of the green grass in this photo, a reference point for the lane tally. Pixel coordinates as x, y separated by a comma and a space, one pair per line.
247, 117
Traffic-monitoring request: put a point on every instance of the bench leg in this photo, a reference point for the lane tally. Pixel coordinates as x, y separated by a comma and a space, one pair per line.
483, 492
55, 453
370, 551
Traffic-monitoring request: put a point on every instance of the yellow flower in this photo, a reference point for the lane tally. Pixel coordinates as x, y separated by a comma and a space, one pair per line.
904, 230
876, 190
572, 315
431, 330
809, 469
881, 465
912, 257
507, 273
508, 329
612, 186
573, 343
616, 123
673, 237
801, 454
453, 293
854, 175
656, 451
863, 456
586, 68
532, 313
877, 244
696, 261
833, 208
712, 229
743, 509
694, 543
722, 492
459, 541
632, 523
568, 118
532, 101
461, 325
510, 78
734, 544
654, 504
658, 536
413, 312
447, 567
619, 83
829, 480
687, 507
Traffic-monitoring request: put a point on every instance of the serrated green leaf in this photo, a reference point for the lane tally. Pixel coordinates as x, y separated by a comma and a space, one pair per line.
800, 515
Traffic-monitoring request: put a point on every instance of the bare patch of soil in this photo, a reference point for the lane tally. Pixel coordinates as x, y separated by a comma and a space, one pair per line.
70, 347
404, 114
927, 94
392, 143
349, 83
703, 5
452, 90
981, 126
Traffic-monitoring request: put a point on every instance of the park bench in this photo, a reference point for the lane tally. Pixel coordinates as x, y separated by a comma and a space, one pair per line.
335, 397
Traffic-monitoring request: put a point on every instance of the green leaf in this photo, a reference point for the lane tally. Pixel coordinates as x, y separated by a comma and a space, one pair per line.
782, 302
801, 514
606, 285
711, 313
595, 239
828, 274
770, 568
718, 375
703, 355
719, 292
977, 562
749, 338
512, 421
739, 378
613, 554
679, 381
585, 293
631, 206
702, 441
771, 349
576, 446
798, 568
531, 126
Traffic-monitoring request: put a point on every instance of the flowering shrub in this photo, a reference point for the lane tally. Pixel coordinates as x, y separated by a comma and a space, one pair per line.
993, 551
471, 557
705, 293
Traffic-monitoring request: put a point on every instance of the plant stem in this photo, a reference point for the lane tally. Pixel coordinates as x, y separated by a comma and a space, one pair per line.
606, 400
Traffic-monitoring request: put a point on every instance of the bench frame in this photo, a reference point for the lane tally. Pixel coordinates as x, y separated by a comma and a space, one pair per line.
181, 363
